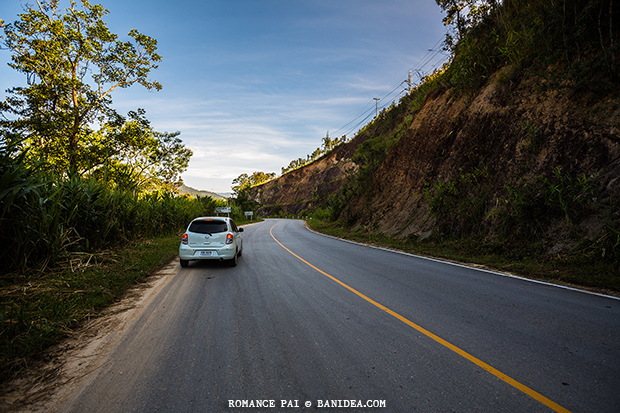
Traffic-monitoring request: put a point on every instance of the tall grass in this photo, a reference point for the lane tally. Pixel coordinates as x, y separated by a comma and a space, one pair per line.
46, 218
522, 218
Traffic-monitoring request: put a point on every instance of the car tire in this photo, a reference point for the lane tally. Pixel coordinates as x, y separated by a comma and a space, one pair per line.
240, 252
184, 263
233, 261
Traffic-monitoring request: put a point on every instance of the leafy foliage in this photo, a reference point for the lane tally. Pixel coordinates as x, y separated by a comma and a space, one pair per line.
134, 156
45, 217
240, 188
245, 181
467, 207
528, 208
461, 204
73, 63
52, 218
462, 15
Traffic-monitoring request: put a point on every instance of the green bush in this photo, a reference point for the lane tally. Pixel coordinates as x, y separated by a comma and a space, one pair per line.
536, 202
569, 195
460, 204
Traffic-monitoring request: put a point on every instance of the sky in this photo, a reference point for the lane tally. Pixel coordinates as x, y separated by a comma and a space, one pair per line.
253, 84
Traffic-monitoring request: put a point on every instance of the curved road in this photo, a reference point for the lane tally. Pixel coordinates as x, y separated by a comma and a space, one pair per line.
313, 320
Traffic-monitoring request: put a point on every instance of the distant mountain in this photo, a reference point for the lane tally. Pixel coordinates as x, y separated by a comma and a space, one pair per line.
184, 189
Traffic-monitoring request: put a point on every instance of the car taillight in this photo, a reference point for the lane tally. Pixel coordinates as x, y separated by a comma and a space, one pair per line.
184, 239
229, 238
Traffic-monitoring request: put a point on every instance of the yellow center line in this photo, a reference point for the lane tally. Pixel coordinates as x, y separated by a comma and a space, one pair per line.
533, 394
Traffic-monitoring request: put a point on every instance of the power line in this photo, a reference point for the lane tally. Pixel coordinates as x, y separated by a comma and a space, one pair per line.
362, 113
428, 63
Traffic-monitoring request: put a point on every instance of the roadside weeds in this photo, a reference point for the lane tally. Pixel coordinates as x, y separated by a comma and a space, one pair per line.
38, 311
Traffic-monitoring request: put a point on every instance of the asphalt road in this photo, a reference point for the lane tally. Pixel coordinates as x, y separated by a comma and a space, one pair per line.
313, 320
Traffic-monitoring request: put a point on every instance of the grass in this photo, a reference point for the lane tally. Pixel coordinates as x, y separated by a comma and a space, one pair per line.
38, 310
578, 271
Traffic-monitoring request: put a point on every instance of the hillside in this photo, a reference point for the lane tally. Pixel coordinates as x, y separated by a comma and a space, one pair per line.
485, 149
514, 146
515, 137
309, 187
184, 189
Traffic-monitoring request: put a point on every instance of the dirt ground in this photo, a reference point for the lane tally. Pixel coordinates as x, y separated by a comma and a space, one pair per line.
43, 386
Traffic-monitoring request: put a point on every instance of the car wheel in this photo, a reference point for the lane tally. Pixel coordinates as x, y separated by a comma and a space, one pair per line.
184, 263
233, 261
240, 252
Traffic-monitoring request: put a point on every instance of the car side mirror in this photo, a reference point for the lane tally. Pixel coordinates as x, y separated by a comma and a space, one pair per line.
240, 229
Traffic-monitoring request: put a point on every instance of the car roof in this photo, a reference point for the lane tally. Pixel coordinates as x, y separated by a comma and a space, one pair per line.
211, 218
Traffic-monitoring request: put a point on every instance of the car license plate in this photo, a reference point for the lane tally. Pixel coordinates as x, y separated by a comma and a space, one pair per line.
206, 253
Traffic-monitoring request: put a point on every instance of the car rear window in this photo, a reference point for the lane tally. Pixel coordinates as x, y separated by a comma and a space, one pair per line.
208, 227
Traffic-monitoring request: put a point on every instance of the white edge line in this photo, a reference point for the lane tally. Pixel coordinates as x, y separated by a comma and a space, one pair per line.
466, 266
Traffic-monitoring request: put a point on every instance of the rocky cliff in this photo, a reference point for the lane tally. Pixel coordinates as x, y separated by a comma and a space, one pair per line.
307, 188
515, 134
514, 150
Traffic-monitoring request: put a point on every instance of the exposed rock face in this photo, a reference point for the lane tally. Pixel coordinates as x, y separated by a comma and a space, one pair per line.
517, 134
308, 187
511, 127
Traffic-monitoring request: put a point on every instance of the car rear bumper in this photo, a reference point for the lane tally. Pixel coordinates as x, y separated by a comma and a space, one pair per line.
189, 254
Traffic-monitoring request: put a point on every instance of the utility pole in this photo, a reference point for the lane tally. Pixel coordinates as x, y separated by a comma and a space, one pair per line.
410, 81
376, 106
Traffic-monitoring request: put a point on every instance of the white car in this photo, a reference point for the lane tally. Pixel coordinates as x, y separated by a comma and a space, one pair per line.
211, 238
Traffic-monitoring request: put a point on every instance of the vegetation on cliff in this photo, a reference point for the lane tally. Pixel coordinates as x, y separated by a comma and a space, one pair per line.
326, 147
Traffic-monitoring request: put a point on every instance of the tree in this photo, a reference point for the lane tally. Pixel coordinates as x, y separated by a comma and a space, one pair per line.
72, 63
330, 144
133, 155
462, 15
327, 146
245, 181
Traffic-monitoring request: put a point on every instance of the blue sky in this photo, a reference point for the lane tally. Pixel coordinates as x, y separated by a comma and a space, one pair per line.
254, 84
